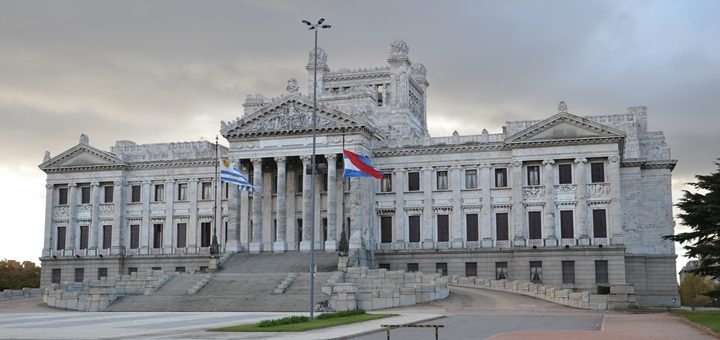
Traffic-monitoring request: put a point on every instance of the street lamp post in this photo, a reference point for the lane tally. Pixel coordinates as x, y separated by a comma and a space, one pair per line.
316, 28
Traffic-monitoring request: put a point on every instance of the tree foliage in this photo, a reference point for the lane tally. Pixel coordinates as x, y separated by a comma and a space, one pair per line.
693, 290
16, 275
701, 212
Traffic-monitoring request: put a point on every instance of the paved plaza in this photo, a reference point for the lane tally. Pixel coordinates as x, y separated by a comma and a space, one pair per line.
467, 313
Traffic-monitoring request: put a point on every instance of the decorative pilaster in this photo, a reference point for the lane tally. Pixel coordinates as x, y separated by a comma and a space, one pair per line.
518, 225
550, 207
169, 227
47, 240
245, 226
280, 244
192, 226
94, 218
72, 223
306, 204
256, 244
456, 236
615, 224
232, 244
117, 248
331, 242
581, 208
399, 185
487, 212
146, 225
426, 232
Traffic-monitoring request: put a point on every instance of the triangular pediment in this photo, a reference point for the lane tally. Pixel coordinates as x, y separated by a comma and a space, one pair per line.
564, 126
291, 114
82, 156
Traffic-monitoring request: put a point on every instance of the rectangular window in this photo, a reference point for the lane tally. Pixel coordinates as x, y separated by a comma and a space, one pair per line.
501, 271
226, 188
206, 191
386, 183
84, 195
442, 180
79, 274
132, 270
441, 268
56, 276
107, 194
565, 174
179, 269
156, 268
471, 226
501, 223
443, 234
534, 225
182, 191
157, 235
412, 267
536, 272
102, 272
205, 230
599, 223
385, 229
413, 181
61, 238
159, 193
181, 235
470, 179
567, 229
597, 172
384, 266
62, 196
568, 271
135, 236
470, 268
107, 236
84, 233
414, 228
601, 271
135, 195
533, 175
501, 178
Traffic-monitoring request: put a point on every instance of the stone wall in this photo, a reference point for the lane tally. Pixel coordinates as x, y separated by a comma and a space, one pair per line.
97, 295
622, 296
371, 289
12, 294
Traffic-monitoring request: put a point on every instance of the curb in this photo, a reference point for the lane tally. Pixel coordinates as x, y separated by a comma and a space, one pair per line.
348, 336
696, 325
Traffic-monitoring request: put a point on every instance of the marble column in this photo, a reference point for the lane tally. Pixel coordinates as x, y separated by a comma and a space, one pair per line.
169, 226
614, 225
361, 213
280, 244
48, 239
426, 229
331, 242
518, 224
233, 233
146, 225
306, 204
455, 181
118, 232
245, 232
486, 225
550, 239
192, 226
581, 196
72, 222
256, 244
399, 185
94, 228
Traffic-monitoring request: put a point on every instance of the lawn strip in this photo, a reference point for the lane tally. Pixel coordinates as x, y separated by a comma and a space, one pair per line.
304, 326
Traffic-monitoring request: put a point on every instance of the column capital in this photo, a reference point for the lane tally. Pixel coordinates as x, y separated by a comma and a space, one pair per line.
120, 183
331, 157
49, 186
72, 185
548, 162
95, 184
427, 169
485, 165
146, 182
280, 160
580, 160
306, 159
193, 180
614, 158
256, 161
516, 164
170, 181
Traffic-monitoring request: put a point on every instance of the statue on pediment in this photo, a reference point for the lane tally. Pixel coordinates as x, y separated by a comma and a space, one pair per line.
46, 157
399, 49
292, 86
562, 108
84, 139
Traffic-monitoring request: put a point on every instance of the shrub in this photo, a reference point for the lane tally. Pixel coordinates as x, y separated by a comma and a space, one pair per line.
340, 314
603, 290
284, 321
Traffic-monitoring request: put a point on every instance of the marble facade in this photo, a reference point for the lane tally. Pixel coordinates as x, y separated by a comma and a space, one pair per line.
566, 191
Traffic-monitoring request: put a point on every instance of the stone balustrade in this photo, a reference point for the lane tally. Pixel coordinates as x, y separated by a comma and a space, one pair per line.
622, 296
12, 294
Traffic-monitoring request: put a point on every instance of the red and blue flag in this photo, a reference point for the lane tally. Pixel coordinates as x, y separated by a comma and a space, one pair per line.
359, 166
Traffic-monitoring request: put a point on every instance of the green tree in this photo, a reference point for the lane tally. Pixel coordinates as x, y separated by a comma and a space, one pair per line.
16, 275
693, 290
701, 212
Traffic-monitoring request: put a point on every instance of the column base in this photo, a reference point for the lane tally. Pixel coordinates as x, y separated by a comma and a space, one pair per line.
117, 250
256, 247
279, 247
233, 246
305, 246
456, 244
428, 244
398, 245
168, 250
487, 243
583, 241
330, 246
91, 252
519, 242
551, 242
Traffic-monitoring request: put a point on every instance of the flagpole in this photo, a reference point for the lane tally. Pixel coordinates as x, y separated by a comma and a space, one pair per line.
214, 247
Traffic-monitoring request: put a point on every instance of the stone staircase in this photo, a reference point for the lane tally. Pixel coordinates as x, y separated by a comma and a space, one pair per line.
245, 283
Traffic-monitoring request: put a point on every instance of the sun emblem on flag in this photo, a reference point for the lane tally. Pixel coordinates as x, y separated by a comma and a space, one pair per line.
226, 163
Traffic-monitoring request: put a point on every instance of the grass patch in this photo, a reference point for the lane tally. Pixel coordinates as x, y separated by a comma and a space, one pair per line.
303, 323
710, 320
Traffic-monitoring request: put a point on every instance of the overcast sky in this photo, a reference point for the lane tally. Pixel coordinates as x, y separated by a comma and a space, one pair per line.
162, 71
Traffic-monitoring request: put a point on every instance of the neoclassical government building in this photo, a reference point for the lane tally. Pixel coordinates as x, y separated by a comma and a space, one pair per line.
570, 200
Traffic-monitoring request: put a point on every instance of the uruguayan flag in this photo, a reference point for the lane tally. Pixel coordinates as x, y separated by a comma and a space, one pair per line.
230, 174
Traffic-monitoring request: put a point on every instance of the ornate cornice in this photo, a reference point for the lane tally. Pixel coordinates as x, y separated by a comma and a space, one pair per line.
645, 164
